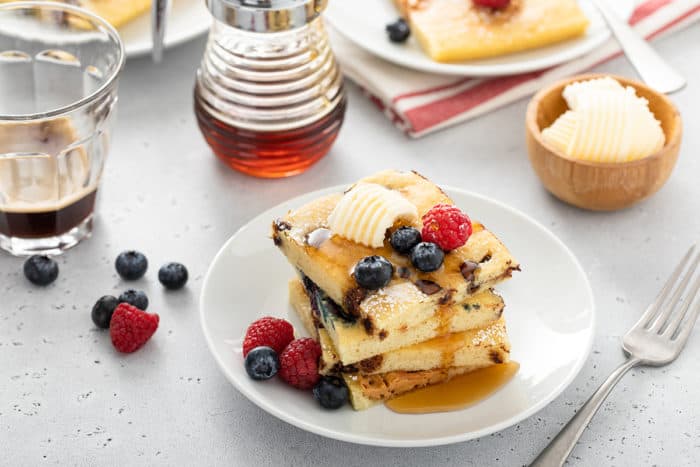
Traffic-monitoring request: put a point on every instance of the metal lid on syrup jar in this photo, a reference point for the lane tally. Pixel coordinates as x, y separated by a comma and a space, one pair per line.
266, 15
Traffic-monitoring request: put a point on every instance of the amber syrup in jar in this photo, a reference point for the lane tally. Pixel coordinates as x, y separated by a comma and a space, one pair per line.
270, 154
269, 96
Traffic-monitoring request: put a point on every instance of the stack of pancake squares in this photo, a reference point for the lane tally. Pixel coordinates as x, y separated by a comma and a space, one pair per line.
422, 328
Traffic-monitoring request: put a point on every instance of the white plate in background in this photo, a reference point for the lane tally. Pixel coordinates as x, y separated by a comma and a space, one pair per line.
187, 20
364, 22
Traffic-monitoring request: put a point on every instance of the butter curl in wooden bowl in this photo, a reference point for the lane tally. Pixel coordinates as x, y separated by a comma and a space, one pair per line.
596, 185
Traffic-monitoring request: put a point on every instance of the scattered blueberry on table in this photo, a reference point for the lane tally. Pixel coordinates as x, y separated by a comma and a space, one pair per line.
102, 311
131, 265
40, 270
137, 298
173, 276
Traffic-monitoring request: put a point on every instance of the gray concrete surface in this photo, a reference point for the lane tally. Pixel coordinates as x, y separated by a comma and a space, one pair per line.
67, 398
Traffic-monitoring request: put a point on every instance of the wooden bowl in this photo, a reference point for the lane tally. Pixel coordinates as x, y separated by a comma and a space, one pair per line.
600, 186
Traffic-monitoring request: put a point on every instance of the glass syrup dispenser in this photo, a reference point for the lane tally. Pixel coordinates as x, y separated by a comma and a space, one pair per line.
269, 96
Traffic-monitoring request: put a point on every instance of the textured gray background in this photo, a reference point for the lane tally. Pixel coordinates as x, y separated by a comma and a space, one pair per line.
66, 397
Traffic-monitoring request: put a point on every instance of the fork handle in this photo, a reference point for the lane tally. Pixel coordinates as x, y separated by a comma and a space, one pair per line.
558, 450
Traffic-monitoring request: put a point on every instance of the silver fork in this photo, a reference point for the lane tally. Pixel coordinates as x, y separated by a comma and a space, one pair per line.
656, 340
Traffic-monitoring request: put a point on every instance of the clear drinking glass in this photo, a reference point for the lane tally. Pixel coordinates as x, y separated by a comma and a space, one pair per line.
58, 92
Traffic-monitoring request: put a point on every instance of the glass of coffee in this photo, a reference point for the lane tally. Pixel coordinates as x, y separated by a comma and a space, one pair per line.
58, 93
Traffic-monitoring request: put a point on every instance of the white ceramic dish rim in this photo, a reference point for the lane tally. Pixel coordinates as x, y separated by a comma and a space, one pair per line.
473, 69
136, 34
438, 441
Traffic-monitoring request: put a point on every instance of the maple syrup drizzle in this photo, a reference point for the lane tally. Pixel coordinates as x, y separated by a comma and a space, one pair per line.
449, 343
457, 393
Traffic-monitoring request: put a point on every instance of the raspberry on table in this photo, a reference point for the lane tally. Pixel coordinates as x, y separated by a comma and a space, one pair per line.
130, 327
270, 332
299, 363
446, 226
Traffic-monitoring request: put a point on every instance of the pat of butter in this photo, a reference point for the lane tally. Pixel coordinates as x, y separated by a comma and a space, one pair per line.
366, 211
606, 123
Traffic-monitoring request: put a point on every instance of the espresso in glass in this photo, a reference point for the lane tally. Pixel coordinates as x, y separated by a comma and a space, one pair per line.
58, 92
46, 190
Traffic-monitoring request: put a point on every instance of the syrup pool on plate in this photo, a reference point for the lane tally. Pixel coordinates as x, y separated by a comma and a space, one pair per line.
458, 393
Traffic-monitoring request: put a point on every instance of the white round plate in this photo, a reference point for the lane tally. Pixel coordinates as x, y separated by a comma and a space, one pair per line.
549, 311
363, 22
187, 20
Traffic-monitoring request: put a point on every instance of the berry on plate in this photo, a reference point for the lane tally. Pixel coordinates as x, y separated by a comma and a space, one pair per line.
495, 4
373, 272
262, 363
299, 363
131, 265
173, 276
404, 239
427, 257
270, 332
102, 311
137, 298
398, 31
130, 327
331, 392
446, 226
40, 270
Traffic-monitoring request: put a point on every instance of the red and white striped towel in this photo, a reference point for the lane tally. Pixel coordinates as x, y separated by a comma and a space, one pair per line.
420, 103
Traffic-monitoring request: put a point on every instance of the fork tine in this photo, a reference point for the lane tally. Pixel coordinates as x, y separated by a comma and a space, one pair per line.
660, 323
674, 325
663, 293
684, 333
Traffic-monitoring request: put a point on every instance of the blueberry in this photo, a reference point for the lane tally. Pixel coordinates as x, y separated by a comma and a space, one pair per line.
398, 31
136, 298
173, 276
427, 257
40, 270
102, 311
404, 239
331, 392
373, 272
131, 265
262, 363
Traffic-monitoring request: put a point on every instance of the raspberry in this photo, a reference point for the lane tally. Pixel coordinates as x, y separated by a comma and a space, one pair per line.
446, 226
269, 332
495, 4
130, 327
299, 363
